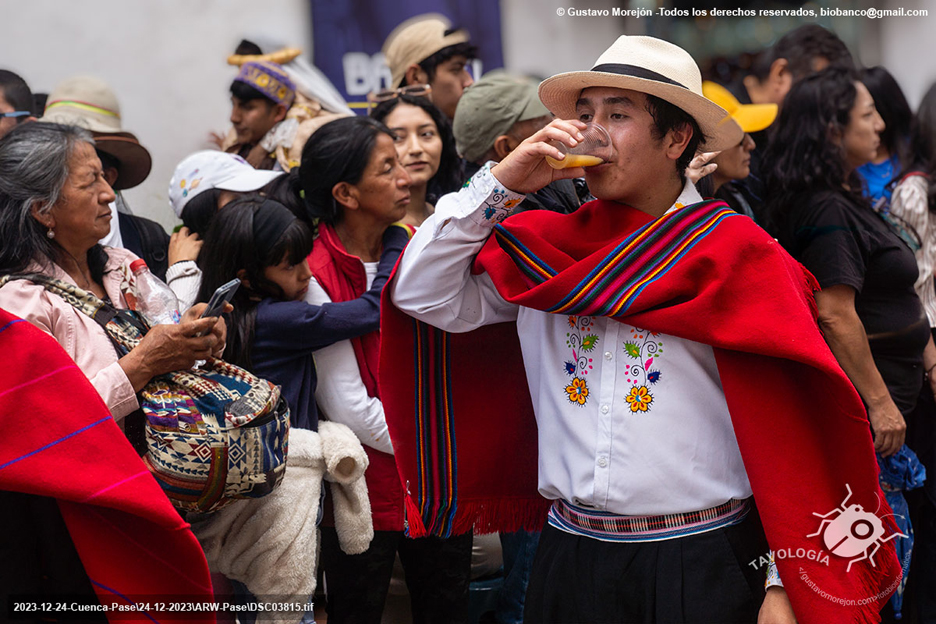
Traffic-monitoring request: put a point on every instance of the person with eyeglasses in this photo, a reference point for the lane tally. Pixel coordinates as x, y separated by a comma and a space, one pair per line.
15, 101
426, 50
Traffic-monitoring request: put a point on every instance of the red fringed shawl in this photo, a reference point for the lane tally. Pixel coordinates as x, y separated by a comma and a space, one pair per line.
60, 441
702, 273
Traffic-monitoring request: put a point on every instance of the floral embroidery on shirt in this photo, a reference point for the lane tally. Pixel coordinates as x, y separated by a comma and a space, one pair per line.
499, 202
580, 342
497, 206
644, 347
773, 574
578, 391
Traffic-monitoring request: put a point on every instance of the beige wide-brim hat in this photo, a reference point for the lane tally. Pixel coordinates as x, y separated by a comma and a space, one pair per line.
652, 66
89, 102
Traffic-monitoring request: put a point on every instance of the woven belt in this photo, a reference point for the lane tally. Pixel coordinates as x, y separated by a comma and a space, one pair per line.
610, 527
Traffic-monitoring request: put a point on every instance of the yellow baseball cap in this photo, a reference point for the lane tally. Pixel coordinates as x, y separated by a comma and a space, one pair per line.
751, 117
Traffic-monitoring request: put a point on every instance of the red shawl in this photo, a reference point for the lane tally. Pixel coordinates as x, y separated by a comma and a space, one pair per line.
342, 277
702, 273
60, 441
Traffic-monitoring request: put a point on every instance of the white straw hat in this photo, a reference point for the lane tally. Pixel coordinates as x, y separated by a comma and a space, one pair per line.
651, 66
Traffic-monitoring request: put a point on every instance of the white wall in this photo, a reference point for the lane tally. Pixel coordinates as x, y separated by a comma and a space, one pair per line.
907, 48
165, 60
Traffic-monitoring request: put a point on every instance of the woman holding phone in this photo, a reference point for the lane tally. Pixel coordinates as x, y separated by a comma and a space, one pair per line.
54, 207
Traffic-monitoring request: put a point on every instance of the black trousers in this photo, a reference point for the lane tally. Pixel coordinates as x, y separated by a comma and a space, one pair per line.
38, 558
437, 573
705, 578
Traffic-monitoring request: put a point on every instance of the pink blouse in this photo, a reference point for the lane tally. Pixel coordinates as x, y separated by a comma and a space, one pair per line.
83, 339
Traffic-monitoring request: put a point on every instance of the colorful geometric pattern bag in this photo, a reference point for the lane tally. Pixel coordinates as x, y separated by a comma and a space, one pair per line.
214, 434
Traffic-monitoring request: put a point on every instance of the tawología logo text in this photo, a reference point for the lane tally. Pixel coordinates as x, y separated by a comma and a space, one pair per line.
819, 556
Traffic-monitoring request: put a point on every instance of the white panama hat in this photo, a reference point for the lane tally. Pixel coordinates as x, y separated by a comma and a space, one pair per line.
652, 66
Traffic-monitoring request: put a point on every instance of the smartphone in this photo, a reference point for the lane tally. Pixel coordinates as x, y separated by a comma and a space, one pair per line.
221, 296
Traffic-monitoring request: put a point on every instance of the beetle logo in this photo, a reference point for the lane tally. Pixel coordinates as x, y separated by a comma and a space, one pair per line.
849, 531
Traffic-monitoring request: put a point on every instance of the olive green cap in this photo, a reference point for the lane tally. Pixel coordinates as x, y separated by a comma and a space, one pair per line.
490, 107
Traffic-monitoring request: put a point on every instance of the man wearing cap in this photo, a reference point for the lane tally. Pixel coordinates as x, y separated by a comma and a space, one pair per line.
90, 103
16, 101
261, 95
734, 164
426, 50
498, 113
667, 343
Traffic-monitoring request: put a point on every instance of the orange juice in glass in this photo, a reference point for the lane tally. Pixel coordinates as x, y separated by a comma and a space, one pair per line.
594, 150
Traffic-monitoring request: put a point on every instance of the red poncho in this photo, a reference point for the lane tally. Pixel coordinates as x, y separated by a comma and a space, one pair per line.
701, 273
60, 441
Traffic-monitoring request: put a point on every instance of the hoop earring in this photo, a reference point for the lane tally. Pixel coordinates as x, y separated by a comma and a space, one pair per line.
50, 233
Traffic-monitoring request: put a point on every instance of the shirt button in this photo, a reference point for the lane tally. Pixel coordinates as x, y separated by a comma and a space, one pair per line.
602, 462
605, 409
608, 355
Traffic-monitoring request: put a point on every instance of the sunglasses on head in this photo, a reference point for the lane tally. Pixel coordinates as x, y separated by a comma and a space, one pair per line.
391, 94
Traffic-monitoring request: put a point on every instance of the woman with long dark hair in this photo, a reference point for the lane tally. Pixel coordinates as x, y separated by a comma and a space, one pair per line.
426, 148
355, 185
868, 310
870, 314
894, 153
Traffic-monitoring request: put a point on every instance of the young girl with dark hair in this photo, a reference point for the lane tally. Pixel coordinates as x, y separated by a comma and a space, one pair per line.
426, 148
272, 331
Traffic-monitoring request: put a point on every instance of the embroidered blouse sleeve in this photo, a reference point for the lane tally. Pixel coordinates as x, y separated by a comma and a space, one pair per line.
911, 203
434, 281
340, 392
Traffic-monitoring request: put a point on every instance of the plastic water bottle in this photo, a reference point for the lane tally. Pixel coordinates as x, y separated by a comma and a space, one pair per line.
156, 301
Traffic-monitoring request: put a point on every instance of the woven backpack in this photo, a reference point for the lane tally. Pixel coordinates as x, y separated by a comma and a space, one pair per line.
214, 434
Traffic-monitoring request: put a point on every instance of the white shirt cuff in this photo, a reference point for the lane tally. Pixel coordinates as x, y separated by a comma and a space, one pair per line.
483, 201
773, 575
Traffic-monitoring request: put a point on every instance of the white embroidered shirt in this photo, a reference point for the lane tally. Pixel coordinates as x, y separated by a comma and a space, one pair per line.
629, 422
